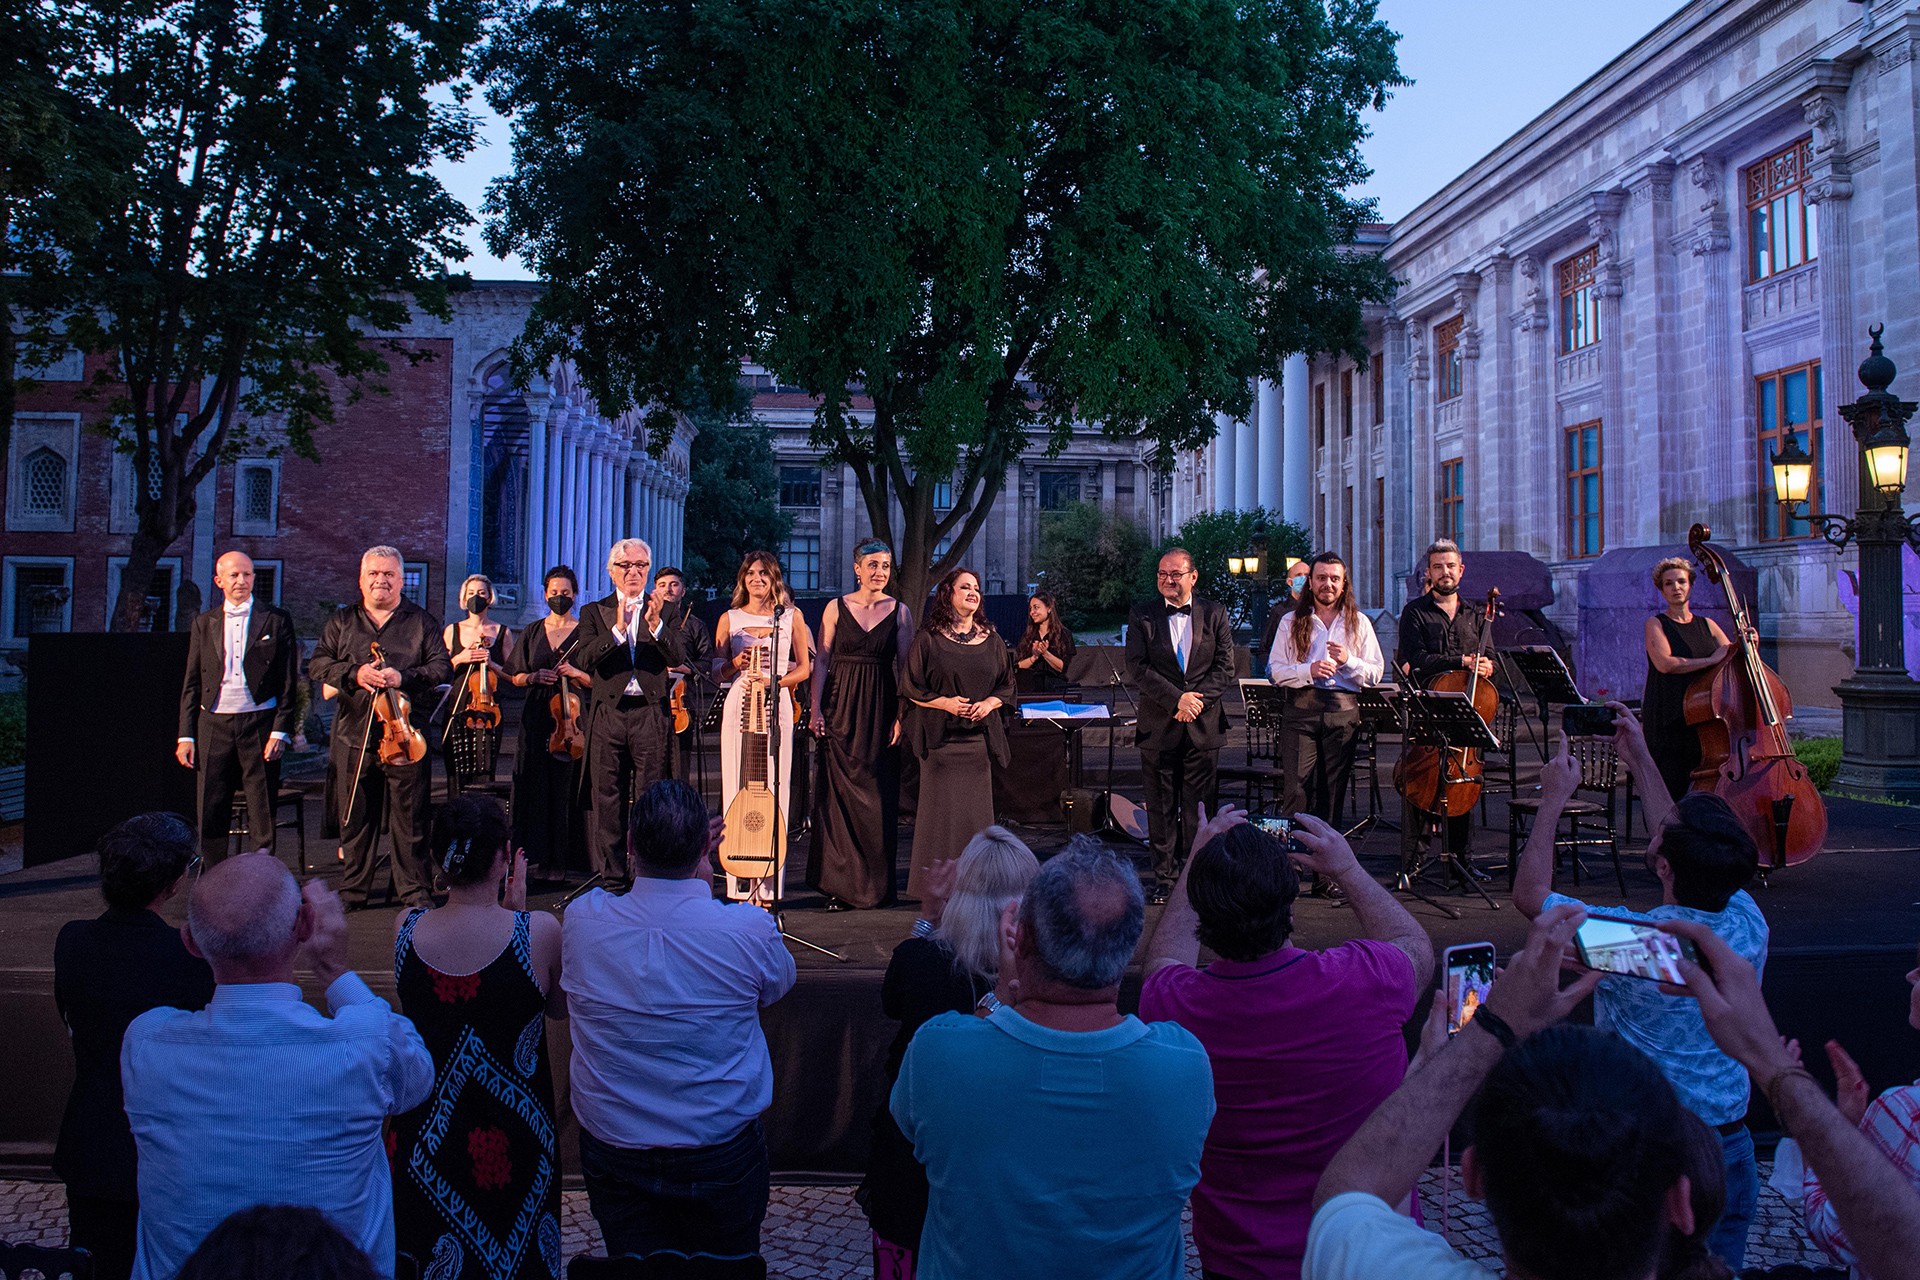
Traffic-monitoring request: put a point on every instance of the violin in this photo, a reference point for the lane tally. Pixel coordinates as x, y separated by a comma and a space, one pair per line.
677, 706
567, 741
400, 742
1419, 774
480, 709
1739, 709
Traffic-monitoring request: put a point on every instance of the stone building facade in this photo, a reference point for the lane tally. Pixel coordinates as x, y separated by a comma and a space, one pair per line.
1604, 326
453, 465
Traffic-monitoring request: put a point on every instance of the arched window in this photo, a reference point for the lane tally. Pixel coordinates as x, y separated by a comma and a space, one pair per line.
503, 477
43, 488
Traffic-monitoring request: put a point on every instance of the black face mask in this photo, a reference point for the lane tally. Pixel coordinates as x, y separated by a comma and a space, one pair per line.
560, 604
476, 604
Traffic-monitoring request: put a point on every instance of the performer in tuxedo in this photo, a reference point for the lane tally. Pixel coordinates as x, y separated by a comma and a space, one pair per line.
691, 674
624, 650
1180, 658
1324, 654
236, 706
1436, 635
363, 788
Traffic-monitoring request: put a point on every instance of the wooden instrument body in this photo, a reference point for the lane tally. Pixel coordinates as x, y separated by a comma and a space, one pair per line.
1739, 710
481, 709
400, 742
755, 835
1417, 774
677, 707
567, 741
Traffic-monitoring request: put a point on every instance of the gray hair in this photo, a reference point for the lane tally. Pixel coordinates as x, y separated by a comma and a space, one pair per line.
626, 547
229, 936
995, 869
1068, 912
382, 553
1441, 547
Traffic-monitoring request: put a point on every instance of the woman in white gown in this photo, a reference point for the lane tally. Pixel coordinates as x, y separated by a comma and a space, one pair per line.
786, 655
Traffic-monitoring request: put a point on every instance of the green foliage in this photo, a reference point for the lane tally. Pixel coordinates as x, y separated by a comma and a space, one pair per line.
1822, 758
1217, 535
732, 500
1096, 565
13, 729
993, 220
276, 207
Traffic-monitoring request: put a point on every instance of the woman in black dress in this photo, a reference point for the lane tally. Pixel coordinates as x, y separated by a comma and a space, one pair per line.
949, 965
957, 678
1045, 650
1680, 645
476, 1170
856, 716
469, 745
547, 821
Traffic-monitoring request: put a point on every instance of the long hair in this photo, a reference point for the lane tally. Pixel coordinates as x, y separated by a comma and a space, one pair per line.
995, 869
1303, 607
1055, 628
941, 615
780, 593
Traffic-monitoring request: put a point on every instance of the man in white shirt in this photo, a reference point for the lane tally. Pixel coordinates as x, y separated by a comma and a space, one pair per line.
258, 1099
237, 705
670, 1070
1323, 655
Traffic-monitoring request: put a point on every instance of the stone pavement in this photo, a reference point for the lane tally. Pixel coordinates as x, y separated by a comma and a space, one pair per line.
819, 1233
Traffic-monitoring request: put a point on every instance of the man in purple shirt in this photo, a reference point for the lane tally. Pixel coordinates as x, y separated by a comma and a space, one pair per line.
1304, 1044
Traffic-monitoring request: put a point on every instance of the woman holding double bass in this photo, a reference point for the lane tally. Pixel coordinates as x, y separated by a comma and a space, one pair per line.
1680, 645
547, 822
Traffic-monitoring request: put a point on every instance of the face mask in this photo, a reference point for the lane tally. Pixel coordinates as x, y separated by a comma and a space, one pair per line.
476, 604
560, 604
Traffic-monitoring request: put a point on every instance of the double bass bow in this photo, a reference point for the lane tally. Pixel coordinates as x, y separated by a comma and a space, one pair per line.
1447, 781
1739, 709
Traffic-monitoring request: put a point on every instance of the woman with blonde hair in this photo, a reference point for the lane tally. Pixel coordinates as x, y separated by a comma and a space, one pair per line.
1680, 645
949, 965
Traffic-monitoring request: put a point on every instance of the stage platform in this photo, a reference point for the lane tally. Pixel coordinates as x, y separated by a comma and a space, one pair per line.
1844, 929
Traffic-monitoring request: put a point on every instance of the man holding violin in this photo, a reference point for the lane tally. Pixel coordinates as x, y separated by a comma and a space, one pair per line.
1437, 636
365, 781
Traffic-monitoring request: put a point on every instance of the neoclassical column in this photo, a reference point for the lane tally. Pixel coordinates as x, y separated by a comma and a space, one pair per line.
1645, 482
1842, 333
554, 485
1266, 408
1398, 465
569, 476
1533, 439
533, 558
1729, 447
1423, 470
1226, 461
1617, 437
583, 539
1296, 441
1499, 473
1466, 296
1248, 462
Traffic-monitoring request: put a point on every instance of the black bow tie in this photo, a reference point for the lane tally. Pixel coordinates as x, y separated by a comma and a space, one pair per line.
1179, 608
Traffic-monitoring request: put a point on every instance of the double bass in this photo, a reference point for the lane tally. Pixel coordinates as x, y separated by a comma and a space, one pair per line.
1739, 709
1446, 782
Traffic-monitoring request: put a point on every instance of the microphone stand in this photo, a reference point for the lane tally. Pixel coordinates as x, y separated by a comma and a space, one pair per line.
776, 904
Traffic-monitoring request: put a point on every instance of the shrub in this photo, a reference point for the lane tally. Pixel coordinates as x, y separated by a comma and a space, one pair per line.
1822, 758
1215, 536
1096, 565
13, 729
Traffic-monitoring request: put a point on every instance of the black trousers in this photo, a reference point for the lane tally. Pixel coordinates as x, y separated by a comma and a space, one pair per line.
402, 795
108, 1229
626, 753
693, 1199
232, 755
1319, 729
1177, 780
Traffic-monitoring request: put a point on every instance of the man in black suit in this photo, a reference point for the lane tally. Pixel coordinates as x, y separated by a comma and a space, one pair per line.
626, 652
416, 663
236, 706
1180, 658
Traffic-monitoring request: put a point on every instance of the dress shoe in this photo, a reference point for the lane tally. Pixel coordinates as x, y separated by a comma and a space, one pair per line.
1158, 895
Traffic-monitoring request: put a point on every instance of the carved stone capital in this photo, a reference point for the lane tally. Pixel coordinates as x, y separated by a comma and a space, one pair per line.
1821, 111
1830, 185
1710, 240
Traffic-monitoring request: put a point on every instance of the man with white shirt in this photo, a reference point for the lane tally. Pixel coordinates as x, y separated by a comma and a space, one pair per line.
624, 650
258, 1098
1323, 655
670, 1069
237, 705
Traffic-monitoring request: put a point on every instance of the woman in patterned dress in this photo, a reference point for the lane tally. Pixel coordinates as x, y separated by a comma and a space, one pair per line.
476, 1174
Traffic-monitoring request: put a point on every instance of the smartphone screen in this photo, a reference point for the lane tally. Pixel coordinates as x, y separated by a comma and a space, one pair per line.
1467, 972
1282, 827
1633, 949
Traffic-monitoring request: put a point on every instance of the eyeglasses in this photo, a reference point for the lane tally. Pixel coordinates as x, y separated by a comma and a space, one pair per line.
632, 566
1174, 575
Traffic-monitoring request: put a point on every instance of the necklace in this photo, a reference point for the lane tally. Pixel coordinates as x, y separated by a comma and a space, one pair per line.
964, 637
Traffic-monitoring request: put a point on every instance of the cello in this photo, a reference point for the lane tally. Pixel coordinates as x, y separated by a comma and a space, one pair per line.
1739, 710
1418, 775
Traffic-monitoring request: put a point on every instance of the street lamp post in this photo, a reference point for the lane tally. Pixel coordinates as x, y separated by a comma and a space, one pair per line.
1880, 702
1252, 565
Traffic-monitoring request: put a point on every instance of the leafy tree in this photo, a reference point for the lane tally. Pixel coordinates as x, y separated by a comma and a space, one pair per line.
1215, 536
1096, 565
276, 209
990, 219
732, 499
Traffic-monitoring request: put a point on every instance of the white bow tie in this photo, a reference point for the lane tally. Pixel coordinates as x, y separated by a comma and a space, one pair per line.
239, 613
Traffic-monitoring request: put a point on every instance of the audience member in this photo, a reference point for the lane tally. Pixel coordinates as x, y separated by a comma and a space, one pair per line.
670, 1069
1060, 1137
1703, 858
281, 1241
1685, 1255
476, 1173
1872, 1198
258, 1099
1304, 1044
949, 965
1892, 1124
106, 972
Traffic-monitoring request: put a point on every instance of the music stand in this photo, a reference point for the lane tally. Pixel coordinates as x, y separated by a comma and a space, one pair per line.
1448, 721
1379, 708
1116, 684
1546, 676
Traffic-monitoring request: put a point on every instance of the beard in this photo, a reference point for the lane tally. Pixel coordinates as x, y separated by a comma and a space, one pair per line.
1446, 589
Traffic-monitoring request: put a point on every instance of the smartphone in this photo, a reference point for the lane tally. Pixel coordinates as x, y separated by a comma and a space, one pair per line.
1633, 949
1587, 720
1466, 975
1281, 827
